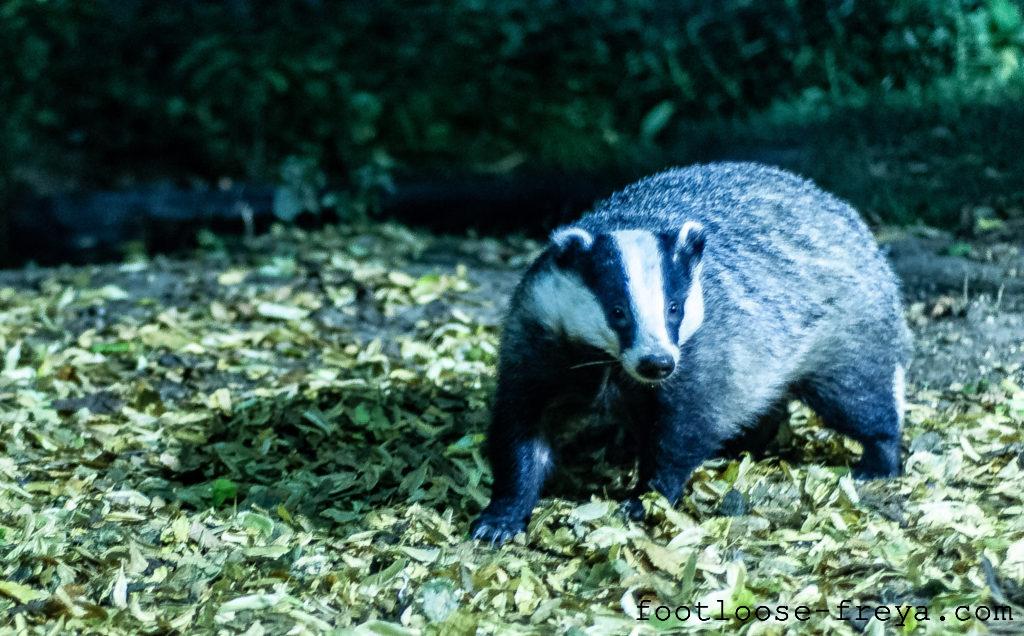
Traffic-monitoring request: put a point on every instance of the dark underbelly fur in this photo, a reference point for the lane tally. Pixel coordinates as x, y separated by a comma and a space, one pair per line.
596, 429
617, 422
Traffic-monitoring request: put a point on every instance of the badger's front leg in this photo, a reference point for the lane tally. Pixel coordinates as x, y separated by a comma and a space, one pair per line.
520, 458
675, 442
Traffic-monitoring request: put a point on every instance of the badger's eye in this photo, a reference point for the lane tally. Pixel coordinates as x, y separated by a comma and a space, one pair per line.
673, 308
618, 313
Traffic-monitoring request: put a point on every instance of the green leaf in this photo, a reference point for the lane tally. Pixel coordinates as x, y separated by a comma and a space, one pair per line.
960, 249
910, 624
656, 119
317, 418
257, 523
423, 555
222, 490
465, 444
361, 415
20, 593
340, 516
111, 347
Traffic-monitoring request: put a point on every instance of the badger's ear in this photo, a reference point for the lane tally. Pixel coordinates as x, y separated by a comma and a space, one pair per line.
690, 243
570, 241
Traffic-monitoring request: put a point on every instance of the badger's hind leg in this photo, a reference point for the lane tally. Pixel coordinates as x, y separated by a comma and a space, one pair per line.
864, 400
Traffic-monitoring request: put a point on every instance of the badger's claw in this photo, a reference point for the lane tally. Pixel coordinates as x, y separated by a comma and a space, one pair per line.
495, 530
633, 509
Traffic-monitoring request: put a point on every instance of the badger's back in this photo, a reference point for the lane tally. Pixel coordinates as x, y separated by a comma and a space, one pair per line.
756, 216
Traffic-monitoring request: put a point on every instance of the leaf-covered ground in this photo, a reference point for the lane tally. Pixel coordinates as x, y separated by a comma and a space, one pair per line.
285, 437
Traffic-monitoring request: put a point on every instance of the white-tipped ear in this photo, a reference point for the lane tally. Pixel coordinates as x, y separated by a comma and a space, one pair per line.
571, 237
691, 240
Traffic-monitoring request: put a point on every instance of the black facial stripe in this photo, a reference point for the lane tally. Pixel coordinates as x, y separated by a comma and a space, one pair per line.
605, 275
675, 279
667, 243
601, 269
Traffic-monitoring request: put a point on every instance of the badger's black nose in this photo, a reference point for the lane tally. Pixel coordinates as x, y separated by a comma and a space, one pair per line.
657, 367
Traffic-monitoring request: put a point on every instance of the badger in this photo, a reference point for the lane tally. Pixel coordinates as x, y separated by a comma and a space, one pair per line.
703, 299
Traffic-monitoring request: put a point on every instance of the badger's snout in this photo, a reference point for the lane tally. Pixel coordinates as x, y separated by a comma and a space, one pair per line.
650, 366
655, 367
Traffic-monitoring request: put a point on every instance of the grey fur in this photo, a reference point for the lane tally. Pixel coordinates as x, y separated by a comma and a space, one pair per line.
792, 279
798, 300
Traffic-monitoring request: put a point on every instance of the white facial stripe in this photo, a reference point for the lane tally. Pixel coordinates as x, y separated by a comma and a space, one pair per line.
564, 304
693, 308
641, 258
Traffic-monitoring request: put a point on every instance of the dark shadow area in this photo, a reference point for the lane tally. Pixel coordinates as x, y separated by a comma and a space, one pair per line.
942, 165
913, 161
225, 117
333, 458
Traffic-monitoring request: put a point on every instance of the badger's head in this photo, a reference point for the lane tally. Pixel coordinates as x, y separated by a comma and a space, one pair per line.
634, 294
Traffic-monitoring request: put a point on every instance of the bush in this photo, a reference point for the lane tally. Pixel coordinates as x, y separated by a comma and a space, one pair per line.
137, 88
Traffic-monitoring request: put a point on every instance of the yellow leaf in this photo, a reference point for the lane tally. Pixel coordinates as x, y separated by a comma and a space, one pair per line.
232, 277
220, 400
401, 279
281, 312
20, 593
119, 593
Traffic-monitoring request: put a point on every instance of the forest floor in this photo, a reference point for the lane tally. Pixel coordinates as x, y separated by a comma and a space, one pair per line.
285, 437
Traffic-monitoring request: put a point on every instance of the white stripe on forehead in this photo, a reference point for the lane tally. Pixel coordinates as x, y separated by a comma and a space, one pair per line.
641, 259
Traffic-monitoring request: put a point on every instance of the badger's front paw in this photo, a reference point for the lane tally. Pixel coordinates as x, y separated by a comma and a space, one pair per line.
496, 529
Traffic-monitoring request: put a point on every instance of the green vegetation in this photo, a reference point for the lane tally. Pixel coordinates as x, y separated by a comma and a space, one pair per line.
283, 433
287, 439
103, 92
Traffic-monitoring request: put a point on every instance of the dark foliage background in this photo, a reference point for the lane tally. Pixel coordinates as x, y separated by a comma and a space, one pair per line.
886, 102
